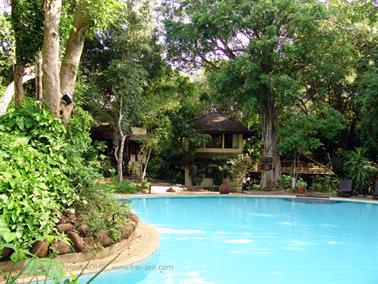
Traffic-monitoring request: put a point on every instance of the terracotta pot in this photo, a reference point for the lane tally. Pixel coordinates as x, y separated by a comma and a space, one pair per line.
224, 189
301, 190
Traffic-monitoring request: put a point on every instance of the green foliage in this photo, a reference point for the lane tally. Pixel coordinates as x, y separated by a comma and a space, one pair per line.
239, 166
102, 13
300, 183
102, 213
359, 169
126, 186
27, 23
304, 133
326, 184
368, 87
43, 167
6, 236
315, 61
285, 181
6, 52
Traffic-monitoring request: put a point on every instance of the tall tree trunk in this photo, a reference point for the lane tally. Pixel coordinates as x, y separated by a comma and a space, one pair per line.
19, 67
145, 163
50, 54
38, 76
269, 177
121, 147
18, 84
121, 144
72, 55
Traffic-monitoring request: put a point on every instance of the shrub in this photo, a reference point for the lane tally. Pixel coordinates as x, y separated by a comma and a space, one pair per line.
126, 186
324, 184
359, 169
239, 167
43, 167
101, 212
285, 181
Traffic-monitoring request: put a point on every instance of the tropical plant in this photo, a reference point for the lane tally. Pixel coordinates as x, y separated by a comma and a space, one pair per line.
239, 166
43, 168
324, 184
359, 169
285, 181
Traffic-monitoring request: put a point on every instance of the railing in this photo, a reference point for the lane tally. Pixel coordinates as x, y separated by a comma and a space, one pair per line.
302, 168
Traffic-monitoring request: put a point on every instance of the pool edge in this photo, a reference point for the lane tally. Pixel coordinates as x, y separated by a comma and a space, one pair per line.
192, 195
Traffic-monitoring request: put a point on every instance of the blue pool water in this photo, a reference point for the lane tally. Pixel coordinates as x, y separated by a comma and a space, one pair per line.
256, 240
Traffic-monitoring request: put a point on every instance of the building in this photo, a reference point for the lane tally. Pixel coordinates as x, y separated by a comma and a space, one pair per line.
132, 153
225, 141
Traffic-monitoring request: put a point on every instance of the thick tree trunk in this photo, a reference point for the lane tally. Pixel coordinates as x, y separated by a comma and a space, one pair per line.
50, 54
72, 55
38, 76
6, 98
19, 67
271, 175
18, 75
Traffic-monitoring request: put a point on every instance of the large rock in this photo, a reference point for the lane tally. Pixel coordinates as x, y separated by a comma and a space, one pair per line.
61, 247
134, 217
83, 229
40, 248
89, 243
127, 230
132, 223
68, 218
6, 253
104, 239
76, 240
64, 227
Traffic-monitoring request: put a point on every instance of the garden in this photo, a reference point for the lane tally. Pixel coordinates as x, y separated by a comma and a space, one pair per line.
99, 97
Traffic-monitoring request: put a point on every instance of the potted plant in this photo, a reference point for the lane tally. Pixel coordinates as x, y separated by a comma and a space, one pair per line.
301, 186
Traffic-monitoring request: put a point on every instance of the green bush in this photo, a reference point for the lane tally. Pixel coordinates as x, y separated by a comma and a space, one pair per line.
359, 169
43, 167
285, 181
101, 212
324, 184
126, 186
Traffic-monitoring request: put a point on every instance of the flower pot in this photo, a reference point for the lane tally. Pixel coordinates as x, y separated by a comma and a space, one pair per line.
224, 189
301, 190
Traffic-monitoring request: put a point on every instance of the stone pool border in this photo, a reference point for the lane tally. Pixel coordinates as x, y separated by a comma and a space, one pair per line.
257, 194
125, 254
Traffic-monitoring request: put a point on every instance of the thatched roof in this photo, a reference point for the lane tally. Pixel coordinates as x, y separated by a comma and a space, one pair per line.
214, 122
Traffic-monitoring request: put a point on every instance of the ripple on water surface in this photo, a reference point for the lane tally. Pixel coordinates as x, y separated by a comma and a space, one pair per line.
257, 240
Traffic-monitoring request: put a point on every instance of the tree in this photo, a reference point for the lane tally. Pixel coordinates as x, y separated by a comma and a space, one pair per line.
50, 54
6, 52
265, 56
301, 134
244, 45
122, 64
27, 16
368, 86
27, 26
89, 16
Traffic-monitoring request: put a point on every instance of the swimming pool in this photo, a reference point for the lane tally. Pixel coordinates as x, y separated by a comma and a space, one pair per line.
256, 240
